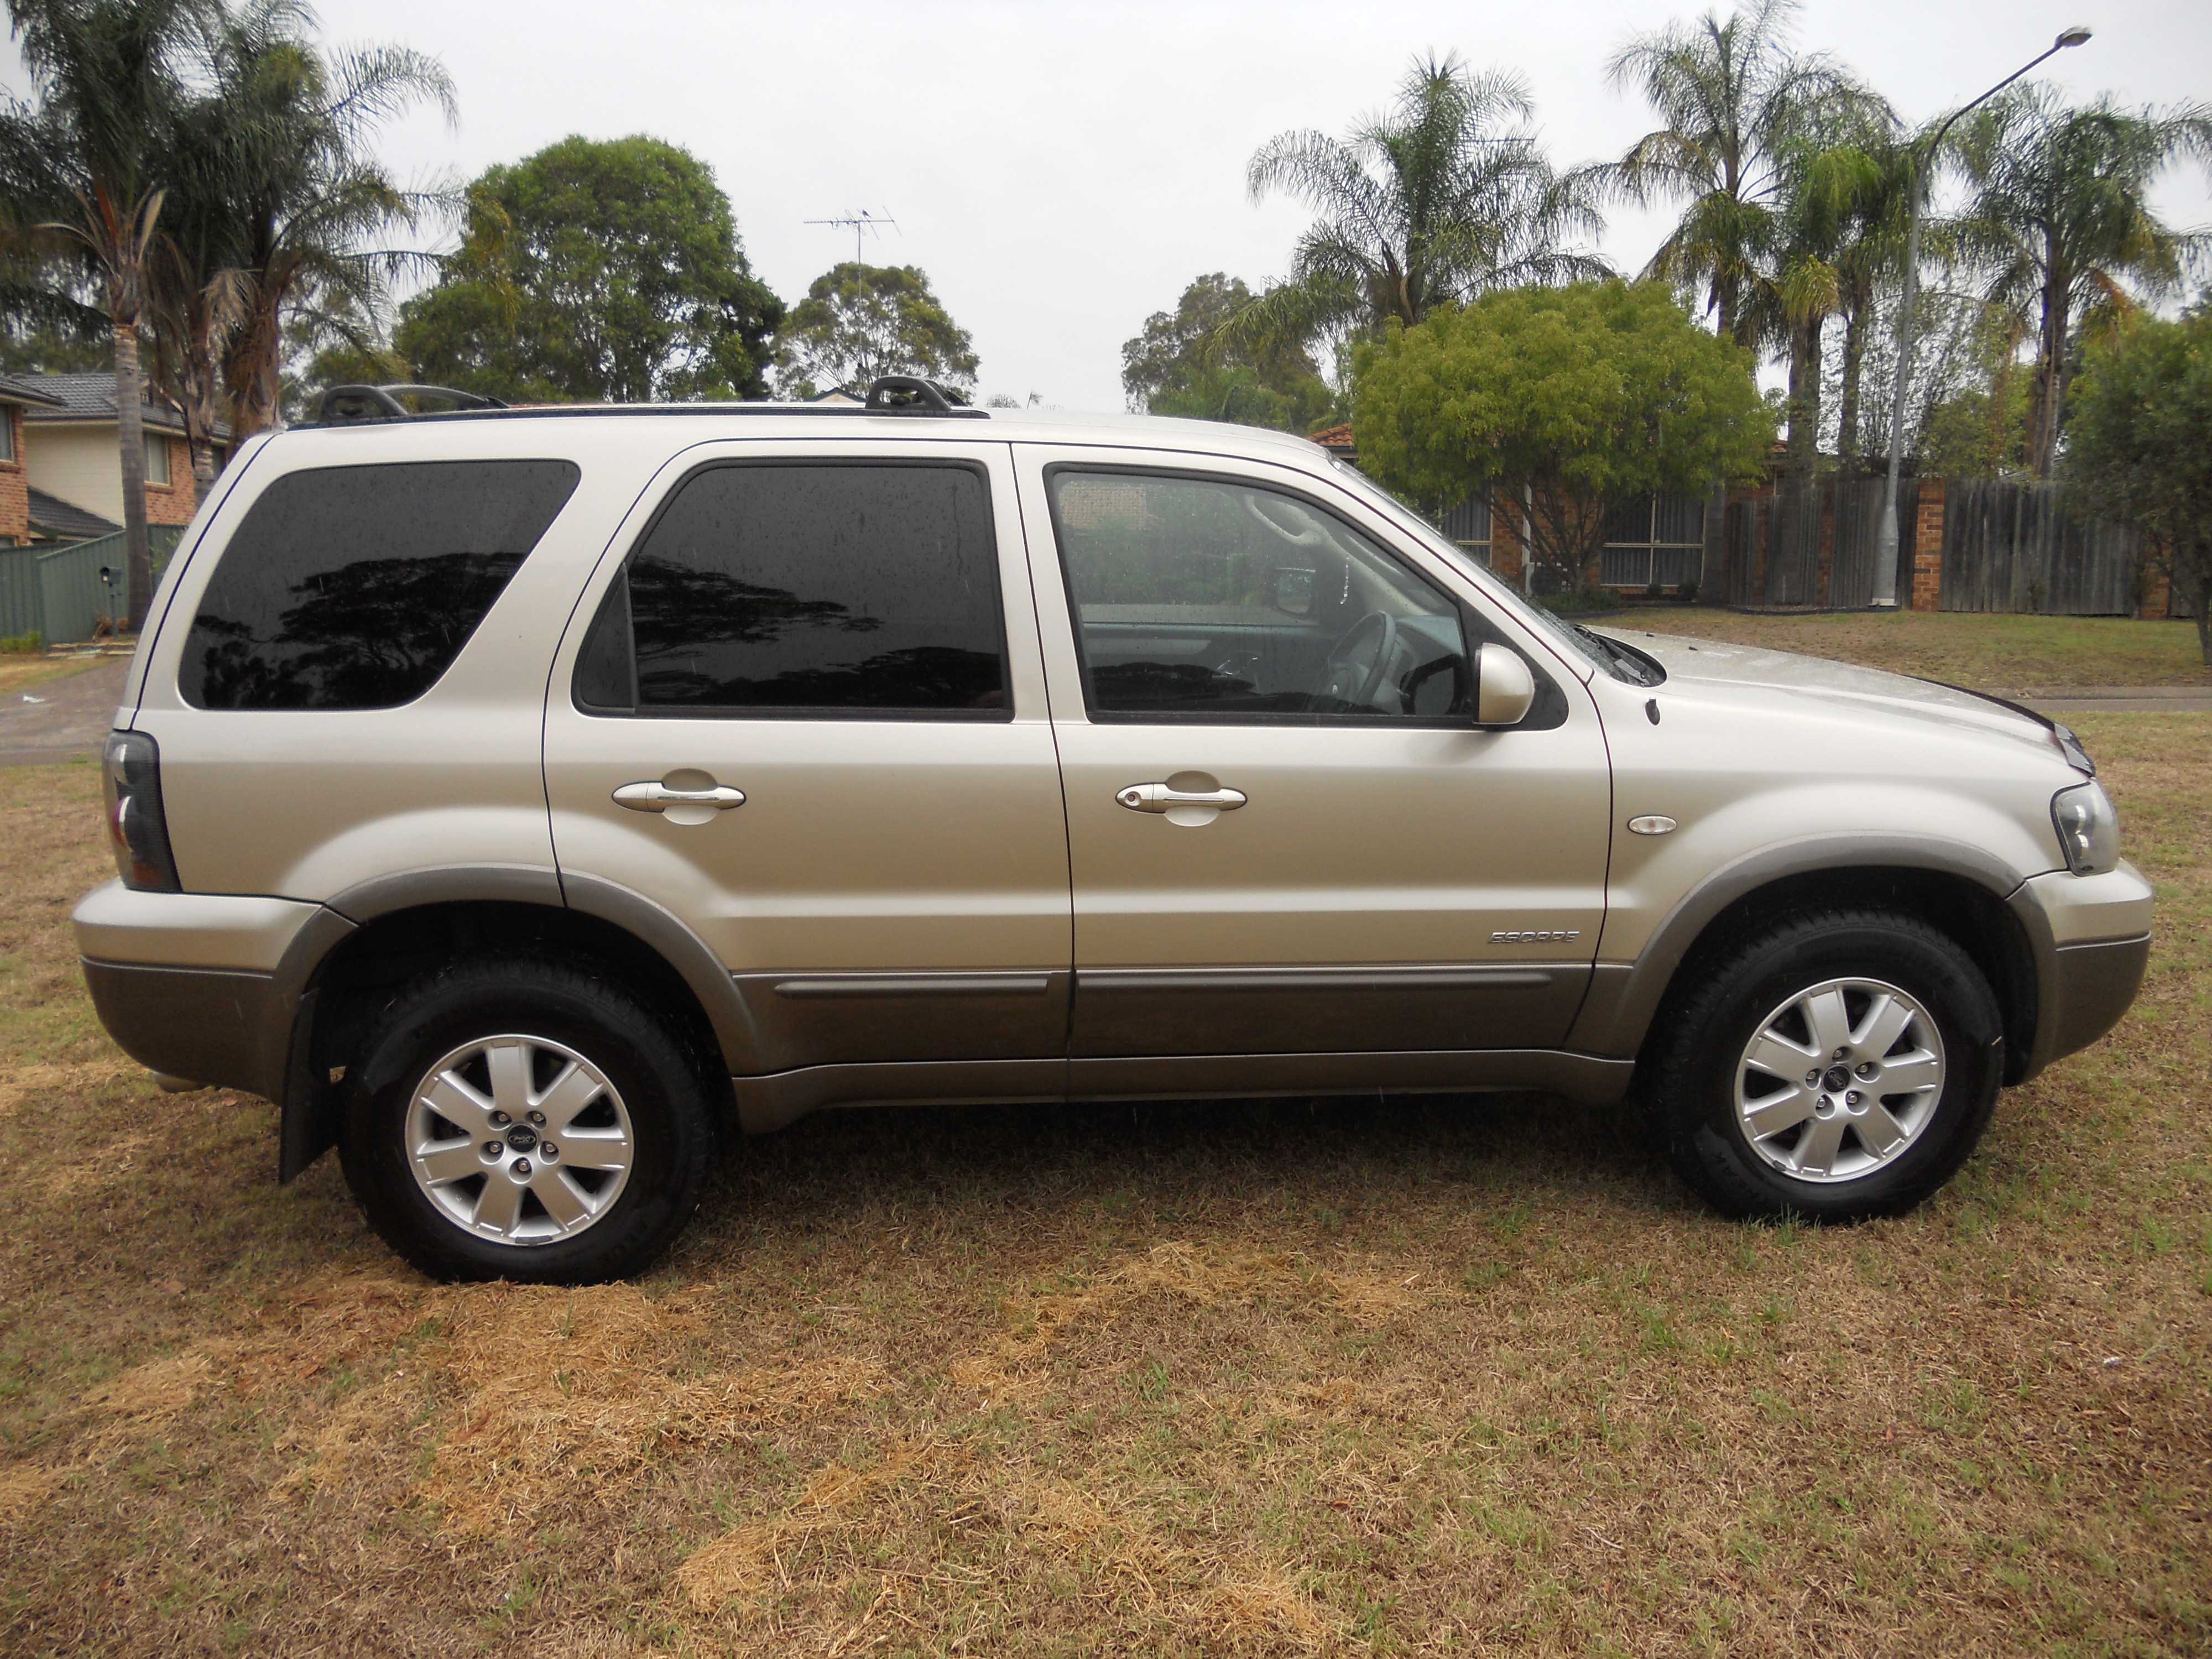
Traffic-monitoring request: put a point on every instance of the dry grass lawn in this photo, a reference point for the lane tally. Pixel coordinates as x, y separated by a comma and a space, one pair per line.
1445, 1377
1990, 653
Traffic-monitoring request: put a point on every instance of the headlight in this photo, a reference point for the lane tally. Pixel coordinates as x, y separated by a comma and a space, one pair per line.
2088, 828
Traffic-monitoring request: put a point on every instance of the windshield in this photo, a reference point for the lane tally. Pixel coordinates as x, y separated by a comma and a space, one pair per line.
1615, 658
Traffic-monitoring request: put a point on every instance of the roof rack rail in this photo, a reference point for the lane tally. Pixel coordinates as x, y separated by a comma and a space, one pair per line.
909, 394
352, 405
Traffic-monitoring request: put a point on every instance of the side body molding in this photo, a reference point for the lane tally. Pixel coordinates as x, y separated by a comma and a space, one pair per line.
1625, 996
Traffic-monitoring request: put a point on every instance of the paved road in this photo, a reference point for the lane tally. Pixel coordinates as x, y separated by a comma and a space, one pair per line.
61, 719
71, 715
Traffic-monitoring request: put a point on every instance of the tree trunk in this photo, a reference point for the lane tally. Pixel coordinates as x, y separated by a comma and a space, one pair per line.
1804, 451
2050, 388
130, 439
1847, 429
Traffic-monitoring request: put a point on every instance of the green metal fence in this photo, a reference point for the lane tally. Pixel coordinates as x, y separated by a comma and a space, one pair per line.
59, 594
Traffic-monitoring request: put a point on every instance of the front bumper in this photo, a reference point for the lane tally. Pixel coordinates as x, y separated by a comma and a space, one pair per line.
2091, 936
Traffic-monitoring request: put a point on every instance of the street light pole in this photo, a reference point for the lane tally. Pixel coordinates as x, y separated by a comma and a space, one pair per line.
1884, 547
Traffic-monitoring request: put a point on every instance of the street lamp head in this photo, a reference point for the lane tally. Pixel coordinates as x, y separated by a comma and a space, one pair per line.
2073, 37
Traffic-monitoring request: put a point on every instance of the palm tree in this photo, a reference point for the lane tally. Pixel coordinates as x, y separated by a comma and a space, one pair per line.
1444, 197
107, 75
284, 203
1836, 225
1731, 95
2059, 222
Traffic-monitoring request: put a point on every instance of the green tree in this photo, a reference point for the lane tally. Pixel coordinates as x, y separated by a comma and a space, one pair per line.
1447, 195
1730, 96
2139, 445
2059, 220
1181, 364
80, 165
275, 205
858, 322
1575, 401
600, 271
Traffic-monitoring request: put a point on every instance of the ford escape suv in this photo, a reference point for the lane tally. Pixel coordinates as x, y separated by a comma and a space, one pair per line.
523, 799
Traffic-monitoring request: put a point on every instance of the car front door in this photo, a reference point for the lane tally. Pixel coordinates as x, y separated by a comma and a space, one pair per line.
803, 710
1286, 835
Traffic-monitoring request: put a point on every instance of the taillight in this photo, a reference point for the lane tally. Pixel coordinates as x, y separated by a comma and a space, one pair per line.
131, 775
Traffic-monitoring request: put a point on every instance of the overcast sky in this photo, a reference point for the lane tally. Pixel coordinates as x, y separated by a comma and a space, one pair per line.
1062, 171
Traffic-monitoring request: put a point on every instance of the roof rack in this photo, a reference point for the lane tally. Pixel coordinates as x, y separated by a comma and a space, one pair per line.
350, 405
908, 394
888, 394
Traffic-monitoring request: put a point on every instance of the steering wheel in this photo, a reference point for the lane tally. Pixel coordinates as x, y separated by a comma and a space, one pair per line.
1342, 676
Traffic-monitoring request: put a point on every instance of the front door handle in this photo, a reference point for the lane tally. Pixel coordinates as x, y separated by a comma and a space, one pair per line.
658, 797
1161, 798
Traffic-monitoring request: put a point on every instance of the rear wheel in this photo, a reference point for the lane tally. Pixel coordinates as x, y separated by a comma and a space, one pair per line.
1835, 1065
520, 1119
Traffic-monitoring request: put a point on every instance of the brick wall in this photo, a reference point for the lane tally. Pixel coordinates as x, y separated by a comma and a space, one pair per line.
15, 488
175, 501
1928, 546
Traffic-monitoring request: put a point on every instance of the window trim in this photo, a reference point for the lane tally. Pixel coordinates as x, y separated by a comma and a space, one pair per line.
999, 716
1460, 612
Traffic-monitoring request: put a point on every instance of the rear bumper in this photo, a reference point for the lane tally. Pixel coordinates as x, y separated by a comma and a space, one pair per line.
211, 1025
200, 986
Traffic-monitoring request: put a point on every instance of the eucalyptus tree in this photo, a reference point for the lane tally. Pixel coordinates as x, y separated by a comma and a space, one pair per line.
2059, 222
82, 167
1732, 96
1446, 195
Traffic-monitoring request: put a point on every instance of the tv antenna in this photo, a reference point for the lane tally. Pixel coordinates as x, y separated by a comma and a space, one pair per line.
859, 223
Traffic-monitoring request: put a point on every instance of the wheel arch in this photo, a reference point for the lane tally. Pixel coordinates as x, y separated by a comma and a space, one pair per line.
1960, 889
366, 942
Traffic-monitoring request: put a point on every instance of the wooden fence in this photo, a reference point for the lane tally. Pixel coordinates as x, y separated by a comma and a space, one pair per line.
2007, 546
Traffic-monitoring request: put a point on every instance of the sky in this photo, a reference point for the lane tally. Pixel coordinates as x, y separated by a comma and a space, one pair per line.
1062, 171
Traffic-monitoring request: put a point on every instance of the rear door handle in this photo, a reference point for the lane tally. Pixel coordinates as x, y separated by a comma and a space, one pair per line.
1159, 798
658, 797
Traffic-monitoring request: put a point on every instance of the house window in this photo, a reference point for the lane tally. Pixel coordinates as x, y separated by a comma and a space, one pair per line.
6, 432
1655, 538
1468, 525
157, 457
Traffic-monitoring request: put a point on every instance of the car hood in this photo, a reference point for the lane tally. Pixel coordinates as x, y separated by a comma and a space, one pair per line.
1743, 670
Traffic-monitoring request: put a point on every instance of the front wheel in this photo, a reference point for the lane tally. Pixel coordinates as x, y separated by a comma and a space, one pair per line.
520, 1119
1836, 1065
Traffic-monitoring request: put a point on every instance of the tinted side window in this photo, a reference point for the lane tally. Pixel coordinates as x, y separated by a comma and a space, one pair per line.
356, 586
861, 589
1202, 600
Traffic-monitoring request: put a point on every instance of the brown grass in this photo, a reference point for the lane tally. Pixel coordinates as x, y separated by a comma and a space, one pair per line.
1437, 1377
1989, 652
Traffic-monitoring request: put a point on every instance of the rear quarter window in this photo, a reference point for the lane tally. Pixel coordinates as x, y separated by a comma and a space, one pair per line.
356, 586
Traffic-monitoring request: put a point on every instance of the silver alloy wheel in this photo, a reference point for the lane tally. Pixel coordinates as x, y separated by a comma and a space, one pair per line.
1839, 1080
518, 1140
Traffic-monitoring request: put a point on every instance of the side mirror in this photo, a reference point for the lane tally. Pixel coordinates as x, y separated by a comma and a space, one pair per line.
1294, 590
1505, 689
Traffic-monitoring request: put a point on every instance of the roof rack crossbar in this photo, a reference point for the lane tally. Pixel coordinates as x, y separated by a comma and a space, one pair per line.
348, 405
909, 394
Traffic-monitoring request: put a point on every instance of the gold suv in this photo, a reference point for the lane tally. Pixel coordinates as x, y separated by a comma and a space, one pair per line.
523, 799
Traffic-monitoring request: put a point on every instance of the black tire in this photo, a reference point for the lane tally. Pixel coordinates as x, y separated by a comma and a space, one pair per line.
1689, 1072
671, 1126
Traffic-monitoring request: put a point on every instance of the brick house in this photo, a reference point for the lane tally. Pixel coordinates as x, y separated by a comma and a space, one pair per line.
73, 470
17, 394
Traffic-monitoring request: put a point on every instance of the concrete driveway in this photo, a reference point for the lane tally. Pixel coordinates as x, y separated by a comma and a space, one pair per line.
63, 719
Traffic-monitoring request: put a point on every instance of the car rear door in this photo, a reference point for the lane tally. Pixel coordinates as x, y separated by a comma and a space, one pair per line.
802, 708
